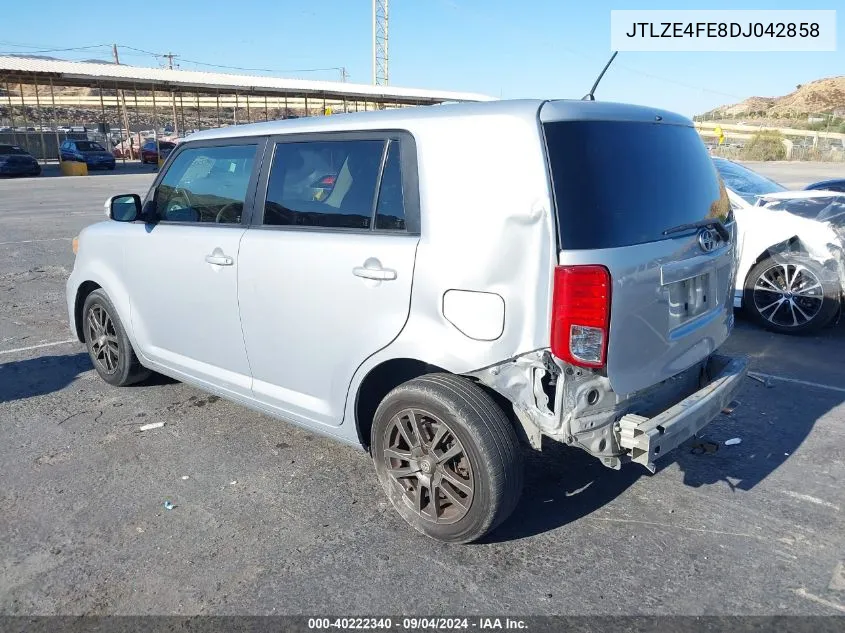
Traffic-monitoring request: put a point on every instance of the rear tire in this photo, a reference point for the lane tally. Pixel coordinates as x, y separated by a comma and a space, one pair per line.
447, 457
108, 346
791, 294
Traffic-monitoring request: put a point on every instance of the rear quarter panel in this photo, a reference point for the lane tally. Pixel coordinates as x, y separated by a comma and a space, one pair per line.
486, 226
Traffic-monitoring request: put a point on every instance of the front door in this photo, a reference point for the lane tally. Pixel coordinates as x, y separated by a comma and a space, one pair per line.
182, 269
325, 272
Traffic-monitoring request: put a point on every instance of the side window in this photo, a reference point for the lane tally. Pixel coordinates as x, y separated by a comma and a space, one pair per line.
323, 183
206, 184
390, 211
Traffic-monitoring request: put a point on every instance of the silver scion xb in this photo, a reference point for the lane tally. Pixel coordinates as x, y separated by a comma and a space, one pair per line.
436, 284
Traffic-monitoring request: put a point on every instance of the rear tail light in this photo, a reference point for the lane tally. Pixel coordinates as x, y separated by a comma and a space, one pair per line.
327, 180
581, 315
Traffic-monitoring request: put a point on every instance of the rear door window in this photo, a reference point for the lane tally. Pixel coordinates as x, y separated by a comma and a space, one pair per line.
390, 210
329, 184
620, 183
206, 184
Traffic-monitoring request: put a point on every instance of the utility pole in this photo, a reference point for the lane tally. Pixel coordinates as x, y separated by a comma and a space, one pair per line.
381, 75
170, 57
344, 75
122, 96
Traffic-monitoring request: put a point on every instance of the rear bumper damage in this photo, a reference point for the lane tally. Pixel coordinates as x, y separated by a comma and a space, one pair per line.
647, 439
578, 406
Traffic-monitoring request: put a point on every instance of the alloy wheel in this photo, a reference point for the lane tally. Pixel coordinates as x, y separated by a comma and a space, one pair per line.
426, 461
788, 295
103, 339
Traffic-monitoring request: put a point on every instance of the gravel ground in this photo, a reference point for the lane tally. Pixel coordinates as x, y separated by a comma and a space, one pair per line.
270, 519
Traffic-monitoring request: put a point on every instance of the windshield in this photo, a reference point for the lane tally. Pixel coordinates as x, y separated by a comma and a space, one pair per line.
745, 183
89, 146
619, 183
11, 149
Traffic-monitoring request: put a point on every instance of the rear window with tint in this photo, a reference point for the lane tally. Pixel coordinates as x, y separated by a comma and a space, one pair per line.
88, 146
11, 149
622, 183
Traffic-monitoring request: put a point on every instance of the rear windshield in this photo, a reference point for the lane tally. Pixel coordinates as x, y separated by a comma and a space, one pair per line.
11, 149
621, 183
89, 146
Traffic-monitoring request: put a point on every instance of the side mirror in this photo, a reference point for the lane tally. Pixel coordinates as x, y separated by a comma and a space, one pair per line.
124, 208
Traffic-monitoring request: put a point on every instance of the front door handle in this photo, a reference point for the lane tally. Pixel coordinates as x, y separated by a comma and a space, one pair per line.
372, 270
219, 259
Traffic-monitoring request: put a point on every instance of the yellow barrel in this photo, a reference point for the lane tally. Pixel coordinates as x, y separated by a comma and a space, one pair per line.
72, 168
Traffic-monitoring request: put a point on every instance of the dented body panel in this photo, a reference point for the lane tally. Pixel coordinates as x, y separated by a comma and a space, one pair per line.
578, 407
779, 223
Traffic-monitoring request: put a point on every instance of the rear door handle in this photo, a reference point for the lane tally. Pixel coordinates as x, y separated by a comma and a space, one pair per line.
219, 260
378, 274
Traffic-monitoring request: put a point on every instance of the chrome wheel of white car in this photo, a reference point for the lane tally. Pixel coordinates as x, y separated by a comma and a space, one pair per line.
788, 294
791, 294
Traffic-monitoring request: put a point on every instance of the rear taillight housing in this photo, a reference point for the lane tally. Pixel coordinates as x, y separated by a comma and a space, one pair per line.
581, 315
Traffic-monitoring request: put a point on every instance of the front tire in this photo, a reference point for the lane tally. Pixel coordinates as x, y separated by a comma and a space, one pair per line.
447, 457
107, 343
791, 294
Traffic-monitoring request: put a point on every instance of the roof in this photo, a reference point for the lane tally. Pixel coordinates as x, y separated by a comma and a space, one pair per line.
30, 70
400, 118
406, 118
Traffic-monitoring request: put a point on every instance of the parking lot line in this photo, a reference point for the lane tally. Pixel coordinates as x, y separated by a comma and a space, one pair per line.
51, 239
796, 381
31, 347
809, 596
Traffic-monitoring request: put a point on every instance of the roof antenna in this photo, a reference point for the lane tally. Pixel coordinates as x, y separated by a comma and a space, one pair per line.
589, 96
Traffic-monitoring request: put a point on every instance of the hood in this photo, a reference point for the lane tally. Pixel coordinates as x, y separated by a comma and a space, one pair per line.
822, 206
798, 195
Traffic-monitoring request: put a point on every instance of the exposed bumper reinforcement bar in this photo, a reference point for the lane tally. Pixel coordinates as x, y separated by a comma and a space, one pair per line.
651, 438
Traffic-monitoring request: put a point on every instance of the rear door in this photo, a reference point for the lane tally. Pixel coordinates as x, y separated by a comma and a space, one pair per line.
325, 271
622, 187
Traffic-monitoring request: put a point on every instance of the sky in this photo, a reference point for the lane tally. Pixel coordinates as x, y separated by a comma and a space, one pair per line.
507, 49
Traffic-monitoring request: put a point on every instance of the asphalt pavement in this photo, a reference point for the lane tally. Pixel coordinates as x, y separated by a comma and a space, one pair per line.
271, 519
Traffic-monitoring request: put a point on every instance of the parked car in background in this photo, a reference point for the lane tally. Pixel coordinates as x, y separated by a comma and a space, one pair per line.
791, 243
828, 185
431, 322
151, 154
16, 161
94, 155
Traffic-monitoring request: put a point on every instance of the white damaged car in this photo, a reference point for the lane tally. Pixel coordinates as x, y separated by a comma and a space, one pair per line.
791, 265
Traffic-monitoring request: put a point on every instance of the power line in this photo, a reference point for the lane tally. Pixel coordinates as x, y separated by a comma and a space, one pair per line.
264, 70
49, 50
140, 50
260, 70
